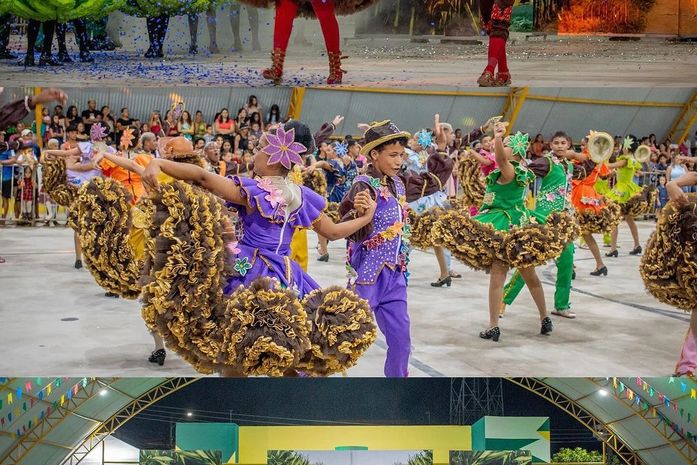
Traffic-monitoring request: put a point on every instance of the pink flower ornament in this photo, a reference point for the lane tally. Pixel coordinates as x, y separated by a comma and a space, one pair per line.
283, 149
275, 198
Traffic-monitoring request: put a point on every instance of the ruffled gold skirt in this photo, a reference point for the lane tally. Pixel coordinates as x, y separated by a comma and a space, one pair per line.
642, 203
669, 263
104, 225
590, 222
469, 175
261, 329
478, 244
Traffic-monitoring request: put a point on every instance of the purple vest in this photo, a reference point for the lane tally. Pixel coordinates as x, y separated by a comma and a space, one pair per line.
388, 244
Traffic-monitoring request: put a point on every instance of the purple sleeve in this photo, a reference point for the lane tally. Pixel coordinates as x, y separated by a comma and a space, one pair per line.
12, 113
312, 208
540, 166
324, 133
347, 212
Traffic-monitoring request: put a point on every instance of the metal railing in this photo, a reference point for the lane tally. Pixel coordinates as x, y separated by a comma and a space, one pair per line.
23, 200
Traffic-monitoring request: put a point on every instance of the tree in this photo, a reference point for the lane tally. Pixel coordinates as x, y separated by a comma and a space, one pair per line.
565, 455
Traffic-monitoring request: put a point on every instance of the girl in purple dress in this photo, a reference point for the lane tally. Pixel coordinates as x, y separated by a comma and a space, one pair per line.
261, 325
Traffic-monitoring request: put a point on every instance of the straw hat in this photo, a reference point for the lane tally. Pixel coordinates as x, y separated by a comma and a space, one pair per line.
379, 133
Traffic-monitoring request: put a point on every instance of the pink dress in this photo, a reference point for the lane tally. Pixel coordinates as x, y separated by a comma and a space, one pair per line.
486, 170
687, 365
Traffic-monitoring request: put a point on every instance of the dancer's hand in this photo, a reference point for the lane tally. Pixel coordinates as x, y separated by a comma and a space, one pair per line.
97, 157
338, 119
364, 204
676, 194
491, 124
150, 176
438, 133
50, 95
363, 126
499, 129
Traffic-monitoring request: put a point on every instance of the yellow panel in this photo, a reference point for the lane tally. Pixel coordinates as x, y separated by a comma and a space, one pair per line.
255, 441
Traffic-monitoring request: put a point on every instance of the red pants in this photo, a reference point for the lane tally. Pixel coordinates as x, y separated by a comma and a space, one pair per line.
287, 10
497, 28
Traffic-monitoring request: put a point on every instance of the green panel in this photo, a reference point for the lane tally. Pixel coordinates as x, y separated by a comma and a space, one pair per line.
478, 435
224, 437
512, 433
180, 457
351, 448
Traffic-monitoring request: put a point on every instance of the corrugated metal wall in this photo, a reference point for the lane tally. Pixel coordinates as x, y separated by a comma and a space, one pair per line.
414, 111
141, 100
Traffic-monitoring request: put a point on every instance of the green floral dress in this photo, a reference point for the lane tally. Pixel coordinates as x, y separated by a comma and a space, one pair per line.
625, 188
504, 204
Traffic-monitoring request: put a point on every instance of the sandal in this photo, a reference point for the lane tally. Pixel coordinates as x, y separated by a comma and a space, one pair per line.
565, 313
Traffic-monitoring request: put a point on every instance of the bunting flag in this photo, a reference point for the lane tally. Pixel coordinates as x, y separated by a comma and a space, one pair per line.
623, 390
31, 399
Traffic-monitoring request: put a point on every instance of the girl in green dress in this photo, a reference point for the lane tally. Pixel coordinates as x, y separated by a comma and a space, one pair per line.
506, 234
629, 195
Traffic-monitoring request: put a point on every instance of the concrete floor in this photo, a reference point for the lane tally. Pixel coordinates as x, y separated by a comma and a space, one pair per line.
568, 61
56, 321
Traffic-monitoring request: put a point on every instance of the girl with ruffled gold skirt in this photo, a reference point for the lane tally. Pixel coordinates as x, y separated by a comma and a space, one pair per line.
505, 233
669, 265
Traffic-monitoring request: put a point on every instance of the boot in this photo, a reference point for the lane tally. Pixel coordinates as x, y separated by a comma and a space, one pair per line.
275, 72
335, 71
502, 80
486, 80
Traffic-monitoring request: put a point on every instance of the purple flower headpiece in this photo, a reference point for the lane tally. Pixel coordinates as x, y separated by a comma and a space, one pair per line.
97, 132
283, 149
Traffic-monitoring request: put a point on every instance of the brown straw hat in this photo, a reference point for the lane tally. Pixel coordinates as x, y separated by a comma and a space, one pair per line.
379, 133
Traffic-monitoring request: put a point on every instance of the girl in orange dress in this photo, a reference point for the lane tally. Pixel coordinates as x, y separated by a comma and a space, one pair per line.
593, 213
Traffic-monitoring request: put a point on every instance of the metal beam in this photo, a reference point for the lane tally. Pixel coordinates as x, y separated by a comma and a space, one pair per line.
513, 106
103, 430
295, 107
37, 434
585, 417
680, 444
685, 120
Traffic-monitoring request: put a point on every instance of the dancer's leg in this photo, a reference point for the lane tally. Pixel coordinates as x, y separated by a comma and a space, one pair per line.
497, 49
80, 26
32, 34
497, 278
535, 288
253, 15
163, 24
633, 229
60, 38
442, 262
593, 247
324, 10
513, 288
5, 37
388, 299
159, 342
286, 10
212, 26
49, 28
193, 32
151, 23
78, 248
613, 239
235, 9
323, 243
565, 269
687, 365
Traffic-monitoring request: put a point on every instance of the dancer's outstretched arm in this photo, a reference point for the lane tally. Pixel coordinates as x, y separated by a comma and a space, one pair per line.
674, 188
63, 153
364, 206
507, 169
123, 162
219, 185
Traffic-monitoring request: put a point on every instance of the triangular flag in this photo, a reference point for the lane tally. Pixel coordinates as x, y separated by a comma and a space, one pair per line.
18, 393
41, 395
58, 382
38, 381
48, 390
62, 399
24, 406
651, 391
84, 382
683, 386
671, 380
9, 417
9, 398
31, 401
693, 393
27, 386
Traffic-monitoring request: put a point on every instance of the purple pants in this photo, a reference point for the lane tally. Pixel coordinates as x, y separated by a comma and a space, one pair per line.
388, 300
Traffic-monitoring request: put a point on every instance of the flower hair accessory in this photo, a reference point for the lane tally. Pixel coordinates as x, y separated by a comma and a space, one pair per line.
283, 149
341, 149
126, 138
97, 132
424, 138
519, 143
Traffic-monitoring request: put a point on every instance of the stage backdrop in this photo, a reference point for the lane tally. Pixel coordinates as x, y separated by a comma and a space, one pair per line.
256, 441
350, 457
180, 457
513, 433
490, 457
224, 437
